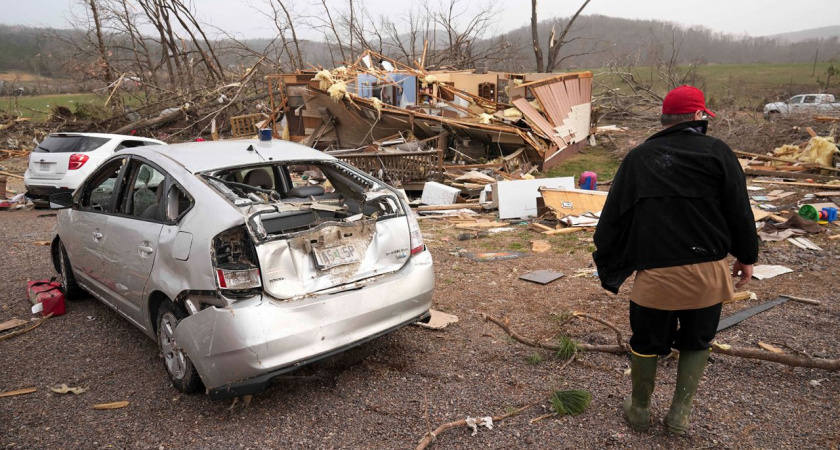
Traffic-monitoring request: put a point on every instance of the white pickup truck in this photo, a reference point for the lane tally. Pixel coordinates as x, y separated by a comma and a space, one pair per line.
807, 103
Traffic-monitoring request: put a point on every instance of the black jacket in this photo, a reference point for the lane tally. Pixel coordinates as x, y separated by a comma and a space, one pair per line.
679, 198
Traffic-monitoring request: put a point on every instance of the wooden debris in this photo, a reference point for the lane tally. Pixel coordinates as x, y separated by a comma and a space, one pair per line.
565, 230
64, 389
770, 348
534, 226
112, 405
471, 206
481, 224
811, 131
804, 243
18, 392
834, 238
803, 300
796, 183
740, 296
11, 323
44, 243
13, 175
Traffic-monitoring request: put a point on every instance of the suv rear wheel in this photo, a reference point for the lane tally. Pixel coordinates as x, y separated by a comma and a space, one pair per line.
178, 365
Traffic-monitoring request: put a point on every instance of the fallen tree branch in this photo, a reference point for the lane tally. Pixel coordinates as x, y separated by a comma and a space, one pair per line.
788, 360
432, 435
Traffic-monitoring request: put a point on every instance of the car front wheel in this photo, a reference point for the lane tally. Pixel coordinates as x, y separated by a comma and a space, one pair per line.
178, 365
72, 291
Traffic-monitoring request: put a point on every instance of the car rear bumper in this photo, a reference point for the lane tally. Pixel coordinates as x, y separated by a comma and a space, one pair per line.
238, 350
42, 190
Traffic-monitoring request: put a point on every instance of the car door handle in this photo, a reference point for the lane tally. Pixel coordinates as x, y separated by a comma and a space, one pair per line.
146, 249
97, 236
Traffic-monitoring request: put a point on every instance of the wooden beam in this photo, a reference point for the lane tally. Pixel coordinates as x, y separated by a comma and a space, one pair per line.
795, 183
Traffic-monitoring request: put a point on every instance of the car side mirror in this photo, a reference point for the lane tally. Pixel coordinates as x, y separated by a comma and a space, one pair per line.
61, 200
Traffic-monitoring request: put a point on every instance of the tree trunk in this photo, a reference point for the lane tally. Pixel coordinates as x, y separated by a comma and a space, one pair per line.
535, 38
108, 75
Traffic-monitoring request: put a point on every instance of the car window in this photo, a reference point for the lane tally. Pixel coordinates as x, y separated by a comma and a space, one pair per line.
177, 203
810, 99
144, 196
98, 191
69, 144
797, 99
129, 144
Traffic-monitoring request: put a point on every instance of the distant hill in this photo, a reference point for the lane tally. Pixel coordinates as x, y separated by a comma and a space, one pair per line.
804, 35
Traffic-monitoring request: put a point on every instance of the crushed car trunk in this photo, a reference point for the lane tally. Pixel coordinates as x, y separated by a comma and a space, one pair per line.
308, 240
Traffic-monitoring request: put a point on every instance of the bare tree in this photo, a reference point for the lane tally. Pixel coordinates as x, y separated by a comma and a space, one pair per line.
555, 43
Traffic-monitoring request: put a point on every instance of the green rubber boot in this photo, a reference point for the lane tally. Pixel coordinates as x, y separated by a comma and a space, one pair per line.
690, 370
637, 404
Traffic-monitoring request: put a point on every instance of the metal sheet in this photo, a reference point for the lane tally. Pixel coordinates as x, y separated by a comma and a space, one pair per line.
542, 276
747, 313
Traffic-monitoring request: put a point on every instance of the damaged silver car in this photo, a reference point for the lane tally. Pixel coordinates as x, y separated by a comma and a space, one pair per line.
243, 259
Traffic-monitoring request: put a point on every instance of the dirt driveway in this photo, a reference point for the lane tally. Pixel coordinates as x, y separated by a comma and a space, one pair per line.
387, 394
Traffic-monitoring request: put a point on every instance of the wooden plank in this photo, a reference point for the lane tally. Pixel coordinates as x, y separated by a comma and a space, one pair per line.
449, 207
797, 183
18, 392
20, 177
786, 174
803, 300
811, 131
534, 226
11, 323
827, 194
565, 231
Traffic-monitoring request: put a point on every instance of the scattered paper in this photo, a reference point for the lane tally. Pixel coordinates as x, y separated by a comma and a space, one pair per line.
64, 389
439, 320
540, 246
765, 271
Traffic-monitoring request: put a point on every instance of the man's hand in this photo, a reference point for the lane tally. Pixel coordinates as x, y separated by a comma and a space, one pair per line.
743, 271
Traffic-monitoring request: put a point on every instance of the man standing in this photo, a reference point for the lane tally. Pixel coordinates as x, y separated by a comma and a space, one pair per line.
677, 206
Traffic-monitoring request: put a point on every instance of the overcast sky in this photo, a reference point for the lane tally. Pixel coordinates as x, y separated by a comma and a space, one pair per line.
752, 17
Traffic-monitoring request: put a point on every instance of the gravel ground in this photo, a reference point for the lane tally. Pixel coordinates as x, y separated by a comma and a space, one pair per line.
387, 394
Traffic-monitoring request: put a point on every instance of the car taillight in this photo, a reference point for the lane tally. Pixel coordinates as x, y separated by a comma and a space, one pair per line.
235, 260
417, 244
77, 160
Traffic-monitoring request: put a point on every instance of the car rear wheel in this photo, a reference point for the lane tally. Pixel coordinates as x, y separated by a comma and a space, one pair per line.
178, 365
72, 291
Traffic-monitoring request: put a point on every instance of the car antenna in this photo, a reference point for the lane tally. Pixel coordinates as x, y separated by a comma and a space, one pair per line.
252, 149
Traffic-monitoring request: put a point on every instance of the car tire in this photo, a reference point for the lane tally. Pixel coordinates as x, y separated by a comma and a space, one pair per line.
72, 290
178, 365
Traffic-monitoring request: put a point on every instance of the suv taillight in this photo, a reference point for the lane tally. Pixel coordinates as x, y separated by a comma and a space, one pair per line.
235, 260
77, 160
417, 244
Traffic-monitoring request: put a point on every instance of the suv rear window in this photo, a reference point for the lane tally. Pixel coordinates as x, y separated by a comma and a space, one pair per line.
69, 144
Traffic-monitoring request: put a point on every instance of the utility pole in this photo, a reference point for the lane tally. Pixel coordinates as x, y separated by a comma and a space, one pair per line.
814, 71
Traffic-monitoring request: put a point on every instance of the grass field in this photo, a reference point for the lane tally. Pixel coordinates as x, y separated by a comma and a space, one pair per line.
741, 85
593, 159
38, 107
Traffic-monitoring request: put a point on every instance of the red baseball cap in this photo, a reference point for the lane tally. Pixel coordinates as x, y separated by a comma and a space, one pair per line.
685, 100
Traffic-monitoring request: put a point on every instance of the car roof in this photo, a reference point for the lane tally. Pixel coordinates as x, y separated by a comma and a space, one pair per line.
208, 155
106, 135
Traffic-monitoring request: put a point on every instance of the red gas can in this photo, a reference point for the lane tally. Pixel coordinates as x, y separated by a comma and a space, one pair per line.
48, 293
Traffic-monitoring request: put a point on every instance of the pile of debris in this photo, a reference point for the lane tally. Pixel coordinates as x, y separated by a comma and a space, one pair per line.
370, 111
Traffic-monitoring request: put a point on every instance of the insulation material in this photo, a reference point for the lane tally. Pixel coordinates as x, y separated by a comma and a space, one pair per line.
338, 91
512, 112
324, 79
820, 150
427, 80
484, 118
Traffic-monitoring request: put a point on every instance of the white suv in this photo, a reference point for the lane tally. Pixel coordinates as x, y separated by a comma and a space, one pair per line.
63, 160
